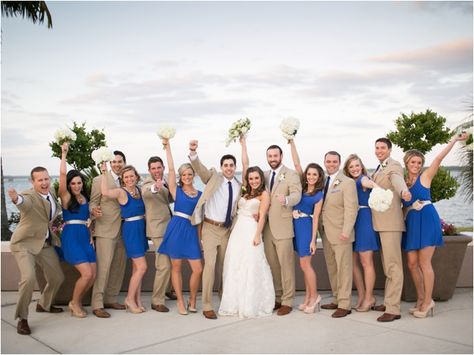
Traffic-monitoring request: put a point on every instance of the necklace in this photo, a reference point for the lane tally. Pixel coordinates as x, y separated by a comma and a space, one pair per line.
132, 193
191, 193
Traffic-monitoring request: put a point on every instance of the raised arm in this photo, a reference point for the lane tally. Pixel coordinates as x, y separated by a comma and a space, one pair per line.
295, 157
171, 170
431, 171
245, 158
262, 217
368, 183
104, 188
204, 173
63, 192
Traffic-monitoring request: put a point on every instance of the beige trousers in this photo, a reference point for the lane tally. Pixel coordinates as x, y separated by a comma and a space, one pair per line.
48, 260
393, 269
111, 263
162, 282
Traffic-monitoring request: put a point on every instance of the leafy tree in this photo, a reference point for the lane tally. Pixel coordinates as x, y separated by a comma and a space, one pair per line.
465, 156
422, 131
6, 233
36, 11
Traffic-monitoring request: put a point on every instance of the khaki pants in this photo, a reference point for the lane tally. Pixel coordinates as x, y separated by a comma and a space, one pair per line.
281, 257
111, 262
48, 260
214, 242
393, 269
339, 264
162, 282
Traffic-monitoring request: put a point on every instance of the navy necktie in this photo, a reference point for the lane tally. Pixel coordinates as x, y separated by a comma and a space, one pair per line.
272, 181
50, 208
227, 222
326, 187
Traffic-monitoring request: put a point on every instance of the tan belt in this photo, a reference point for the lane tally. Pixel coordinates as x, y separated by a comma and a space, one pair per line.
77, 221
134, 218
214, 223
181, 214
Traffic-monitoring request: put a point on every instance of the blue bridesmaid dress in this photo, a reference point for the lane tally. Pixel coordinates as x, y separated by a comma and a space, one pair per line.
133, 232
303, 226
365, 237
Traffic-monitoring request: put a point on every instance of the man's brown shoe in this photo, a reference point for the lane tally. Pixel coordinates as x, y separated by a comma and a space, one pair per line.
341, 312
277, 306
116, 305
284, 310
388, 317
22, 327
52, 309
209, 314
329, 306
101, 313
160, 308
379, 308
171, 295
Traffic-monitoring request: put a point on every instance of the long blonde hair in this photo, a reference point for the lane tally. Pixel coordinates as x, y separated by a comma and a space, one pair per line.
181, 169
348, 162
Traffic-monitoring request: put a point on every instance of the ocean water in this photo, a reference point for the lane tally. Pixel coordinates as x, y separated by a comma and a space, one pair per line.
455, 210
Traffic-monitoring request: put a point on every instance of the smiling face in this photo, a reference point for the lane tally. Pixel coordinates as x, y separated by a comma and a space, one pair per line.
76, 186
382, 151
414, 165
129, 178
41, 182
117, 164
312, 176
332, 163
156, 170
254, 180
355, 168
186, 177
228, 168
274, 158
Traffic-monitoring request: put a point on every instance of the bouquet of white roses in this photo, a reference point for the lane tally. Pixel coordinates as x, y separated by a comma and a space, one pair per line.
468, 142
380, 199
166, 132
63, 135
102, 154
289, 127
238, 128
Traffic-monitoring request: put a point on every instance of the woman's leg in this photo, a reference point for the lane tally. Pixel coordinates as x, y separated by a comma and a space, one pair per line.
196, 268
138, 271
416, 275
83, 283
177, 281
310, 280
425, 255
358, 280
367, 261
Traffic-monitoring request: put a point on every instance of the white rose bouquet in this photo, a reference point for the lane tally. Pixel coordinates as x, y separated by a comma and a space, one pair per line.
102, 154
468, 142
289, 127
238, 128
63, 135
380, 199
166, 132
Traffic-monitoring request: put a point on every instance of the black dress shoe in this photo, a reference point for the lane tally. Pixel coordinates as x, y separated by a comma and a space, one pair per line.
277, 306
171, 295
52, 309
388, 317
22, 327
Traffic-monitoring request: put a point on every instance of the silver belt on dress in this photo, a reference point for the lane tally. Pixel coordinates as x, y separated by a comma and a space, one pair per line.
77, 221
298, 214
134, 218
363, 206
417, 205
181, 214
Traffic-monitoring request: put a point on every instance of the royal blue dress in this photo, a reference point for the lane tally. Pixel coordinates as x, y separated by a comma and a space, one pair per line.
423, 227
181, 239
365, 237
133, 232
75, 238
303, 226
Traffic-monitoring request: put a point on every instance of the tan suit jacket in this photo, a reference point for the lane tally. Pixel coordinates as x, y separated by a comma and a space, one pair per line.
212, 179
340, 208
390, 177
157, 210
108, 225
30, 233
280, 218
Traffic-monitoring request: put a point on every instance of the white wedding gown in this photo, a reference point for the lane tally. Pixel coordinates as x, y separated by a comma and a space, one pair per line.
248, 286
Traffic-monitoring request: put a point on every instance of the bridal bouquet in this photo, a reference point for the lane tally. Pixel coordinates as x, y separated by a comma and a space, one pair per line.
380, 199
238, 128
102, 154
63, 135
166, 132
468, 142
289, 127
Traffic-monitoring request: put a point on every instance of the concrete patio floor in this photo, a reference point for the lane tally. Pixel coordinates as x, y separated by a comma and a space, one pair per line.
449, 331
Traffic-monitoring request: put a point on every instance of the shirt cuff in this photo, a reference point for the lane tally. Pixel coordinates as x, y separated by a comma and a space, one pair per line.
193, 156
153, 190
19, 201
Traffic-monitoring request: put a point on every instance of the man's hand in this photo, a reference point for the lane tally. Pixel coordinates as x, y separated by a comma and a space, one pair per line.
13, 195
193, 145
97, 212
406, 195
159, 184
281, 198
343, 237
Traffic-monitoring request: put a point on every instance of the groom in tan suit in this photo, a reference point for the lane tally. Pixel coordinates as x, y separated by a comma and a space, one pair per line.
33, 243
110, 251
338, 217
390, 225
157, 212
215, 210
284, 187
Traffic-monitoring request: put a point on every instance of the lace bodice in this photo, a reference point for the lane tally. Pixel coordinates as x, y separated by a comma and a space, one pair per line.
248, 207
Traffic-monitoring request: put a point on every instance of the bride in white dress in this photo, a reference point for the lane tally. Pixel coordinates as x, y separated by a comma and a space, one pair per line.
247, 280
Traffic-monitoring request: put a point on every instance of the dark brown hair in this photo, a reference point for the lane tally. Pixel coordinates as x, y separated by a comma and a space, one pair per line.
319, 186
249, 193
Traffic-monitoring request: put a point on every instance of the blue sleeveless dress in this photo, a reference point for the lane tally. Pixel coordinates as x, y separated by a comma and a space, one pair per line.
75, 238
303, 227
133, 232
181, 239
365, 237
423, 227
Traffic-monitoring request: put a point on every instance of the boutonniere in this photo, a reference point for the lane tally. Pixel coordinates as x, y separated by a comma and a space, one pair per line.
337, 182
383, 165
281, 178
243, 190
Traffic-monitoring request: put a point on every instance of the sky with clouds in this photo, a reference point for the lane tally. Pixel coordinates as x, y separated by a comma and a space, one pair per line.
346, 70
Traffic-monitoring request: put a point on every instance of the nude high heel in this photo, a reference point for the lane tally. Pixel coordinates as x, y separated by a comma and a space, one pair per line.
423, 314
191, 309
312, 308
132, 309
76, 313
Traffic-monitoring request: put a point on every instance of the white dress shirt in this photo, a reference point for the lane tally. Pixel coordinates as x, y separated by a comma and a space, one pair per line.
216, 206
